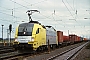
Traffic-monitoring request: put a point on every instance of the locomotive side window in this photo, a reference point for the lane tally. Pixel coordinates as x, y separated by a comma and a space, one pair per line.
37, 31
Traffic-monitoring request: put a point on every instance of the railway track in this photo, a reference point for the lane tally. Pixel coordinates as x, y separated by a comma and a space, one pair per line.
8, 55
19, 56
15, 55
6, 52
68, 54
6, 49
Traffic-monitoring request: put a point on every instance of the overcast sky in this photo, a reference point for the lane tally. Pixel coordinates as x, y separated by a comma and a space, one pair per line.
63, 15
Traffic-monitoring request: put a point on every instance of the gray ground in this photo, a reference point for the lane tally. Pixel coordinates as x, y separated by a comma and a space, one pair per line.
84, 54
55, 52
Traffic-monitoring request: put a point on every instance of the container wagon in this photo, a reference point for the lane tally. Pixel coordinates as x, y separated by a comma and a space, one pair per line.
72, 38
66, 39
60, 37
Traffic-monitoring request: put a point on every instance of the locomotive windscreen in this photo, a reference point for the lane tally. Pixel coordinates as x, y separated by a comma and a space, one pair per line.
25, 29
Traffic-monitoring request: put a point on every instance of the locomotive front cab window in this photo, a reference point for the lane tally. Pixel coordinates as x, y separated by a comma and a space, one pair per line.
25, 29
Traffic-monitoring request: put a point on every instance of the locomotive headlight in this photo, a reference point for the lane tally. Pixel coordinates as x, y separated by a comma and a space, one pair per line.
16, 40
32, 38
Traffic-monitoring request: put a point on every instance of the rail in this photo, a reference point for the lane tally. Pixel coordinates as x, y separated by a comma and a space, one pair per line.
68, 54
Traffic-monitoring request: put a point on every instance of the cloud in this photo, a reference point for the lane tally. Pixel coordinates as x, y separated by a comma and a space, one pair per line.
64, 18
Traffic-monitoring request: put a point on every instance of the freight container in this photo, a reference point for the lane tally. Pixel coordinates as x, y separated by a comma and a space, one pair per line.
78, 38
85, 39
60, 36
72, 38
65, 38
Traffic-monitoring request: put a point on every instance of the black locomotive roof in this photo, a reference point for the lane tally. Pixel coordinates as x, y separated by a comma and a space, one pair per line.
31, 23
35, 22
49, 26
25, 24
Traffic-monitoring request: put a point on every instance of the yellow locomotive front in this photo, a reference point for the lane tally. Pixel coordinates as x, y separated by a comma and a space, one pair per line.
30, 36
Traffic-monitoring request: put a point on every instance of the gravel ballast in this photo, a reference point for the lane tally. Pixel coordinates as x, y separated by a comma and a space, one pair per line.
45, 56
84, 54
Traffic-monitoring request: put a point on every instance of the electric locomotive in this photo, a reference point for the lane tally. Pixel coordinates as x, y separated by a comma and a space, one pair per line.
30, 35
34, 36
